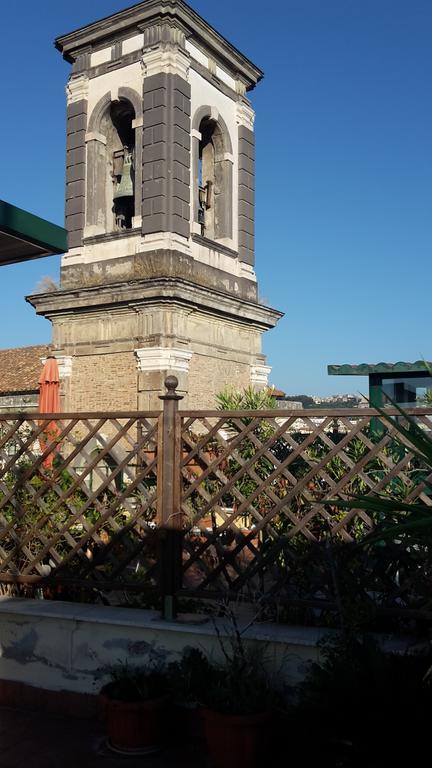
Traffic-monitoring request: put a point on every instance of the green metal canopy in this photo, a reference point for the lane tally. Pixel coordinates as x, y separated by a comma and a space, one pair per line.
24, 236
366, 369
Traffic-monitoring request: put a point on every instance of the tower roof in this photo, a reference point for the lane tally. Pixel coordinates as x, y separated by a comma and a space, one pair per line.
136, 18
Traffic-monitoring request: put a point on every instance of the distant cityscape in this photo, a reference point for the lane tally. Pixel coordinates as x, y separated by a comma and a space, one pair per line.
318, 401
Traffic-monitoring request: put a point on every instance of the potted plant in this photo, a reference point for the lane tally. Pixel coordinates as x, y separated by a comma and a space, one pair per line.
238, 703
188, 679
359, 694
133, 701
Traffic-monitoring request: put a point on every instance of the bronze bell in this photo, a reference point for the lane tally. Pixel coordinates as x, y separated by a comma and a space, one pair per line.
125, 188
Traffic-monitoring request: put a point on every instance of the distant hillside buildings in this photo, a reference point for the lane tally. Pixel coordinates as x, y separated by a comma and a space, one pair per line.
318, 401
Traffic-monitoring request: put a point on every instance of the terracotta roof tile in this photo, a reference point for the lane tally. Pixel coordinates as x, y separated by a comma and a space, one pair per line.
20, 368
276, 392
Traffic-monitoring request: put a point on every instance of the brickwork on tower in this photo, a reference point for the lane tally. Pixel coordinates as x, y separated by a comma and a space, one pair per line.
104, 383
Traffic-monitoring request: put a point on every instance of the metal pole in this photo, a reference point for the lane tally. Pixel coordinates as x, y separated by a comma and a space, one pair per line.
169, 514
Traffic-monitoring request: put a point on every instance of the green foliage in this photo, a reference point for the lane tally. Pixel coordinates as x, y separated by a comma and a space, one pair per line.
190, 677
135, 683
249, 399
240, 685
363, 694
427, 398
246, 400
400, 520
51, 511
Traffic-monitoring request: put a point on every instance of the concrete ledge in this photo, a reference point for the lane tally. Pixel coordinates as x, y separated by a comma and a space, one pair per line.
64, 646
139, 618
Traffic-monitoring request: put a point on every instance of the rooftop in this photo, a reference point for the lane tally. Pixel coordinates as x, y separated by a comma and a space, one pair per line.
20, 369
364, 369
134, 19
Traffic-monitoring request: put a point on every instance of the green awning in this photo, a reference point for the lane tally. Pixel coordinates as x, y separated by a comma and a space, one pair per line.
24, 236
365, 369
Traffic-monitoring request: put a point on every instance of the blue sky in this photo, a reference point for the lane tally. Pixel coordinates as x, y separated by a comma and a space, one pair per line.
344, 171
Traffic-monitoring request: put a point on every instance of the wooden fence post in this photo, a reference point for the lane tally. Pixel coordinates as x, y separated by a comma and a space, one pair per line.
169, 516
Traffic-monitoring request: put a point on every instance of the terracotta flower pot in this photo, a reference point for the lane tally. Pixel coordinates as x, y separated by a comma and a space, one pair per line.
134, 726
235, 740
185, 731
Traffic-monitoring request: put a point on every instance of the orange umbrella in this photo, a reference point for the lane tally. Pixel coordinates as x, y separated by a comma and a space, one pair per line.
49, 402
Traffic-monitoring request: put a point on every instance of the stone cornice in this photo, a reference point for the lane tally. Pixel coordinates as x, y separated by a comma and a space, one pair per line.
176, 11
159, 291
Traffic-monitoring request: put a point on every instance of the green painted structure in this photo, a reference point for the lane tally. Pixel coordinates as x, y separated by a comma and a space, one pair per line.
24, 236
403, 382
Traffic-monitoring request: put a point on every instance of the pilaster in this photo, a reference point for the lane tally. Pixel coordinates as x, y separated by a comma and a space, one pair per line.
77, 99
246, 183
154, 364
166, 141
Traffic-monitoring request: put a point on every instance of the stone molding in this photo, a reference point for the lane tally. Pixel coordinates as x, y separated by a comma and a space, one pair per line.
162, 33
205, 73
95, 136
163, 290
154, 18
259, 375
206, 110
169, 59
170, 241
245, 115
163, 359
77, 89
241, 87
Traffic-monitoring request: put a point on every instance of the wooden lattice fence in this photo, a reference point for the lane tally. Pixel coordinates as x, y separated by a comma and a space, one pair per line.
260, 492
77, 498
209, 504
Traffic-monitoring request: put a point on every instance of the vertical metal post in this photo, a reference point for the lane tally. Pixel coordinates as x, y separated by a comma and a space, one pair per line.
376, 400
169, 514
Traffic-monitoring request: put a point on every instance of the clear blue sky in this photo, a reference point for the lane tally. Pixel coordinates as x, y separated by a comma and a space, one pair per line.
344, 170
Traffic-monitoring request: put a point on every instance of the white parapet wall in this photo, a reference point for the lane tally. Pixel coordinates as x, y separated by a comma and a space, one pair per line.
63, 646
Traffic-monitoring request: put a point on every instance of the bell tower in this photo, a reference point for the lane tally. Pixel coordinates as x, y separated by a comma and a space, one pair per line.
159, 276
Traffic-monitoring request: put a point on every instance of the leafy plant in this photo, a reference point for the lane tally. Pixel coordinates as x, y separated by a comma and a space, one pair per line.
240, 685
135, 683
248, 399
363, 695
427, 397
398, 551
397, 518
190, 677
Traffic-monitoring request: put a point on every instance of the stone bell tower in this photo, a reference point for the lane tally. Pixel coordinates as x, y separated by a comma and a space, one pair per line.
159, 276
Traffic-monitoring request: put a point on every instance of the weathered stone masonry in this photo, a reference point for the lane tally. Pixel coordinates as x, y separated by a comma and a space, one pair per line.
246, 194
166, 152
160, 278
76, 171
